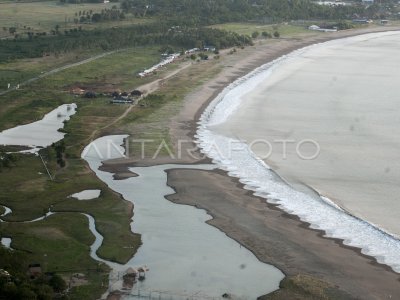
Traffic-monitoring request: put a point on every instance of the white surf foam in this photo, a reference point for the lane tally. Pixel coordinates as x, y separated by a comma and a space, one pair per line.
235, 157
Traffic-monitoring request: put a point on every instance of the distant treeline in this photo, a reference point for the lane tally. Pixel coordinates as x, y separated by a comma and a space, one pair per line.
220, 11
176, 22
158, 33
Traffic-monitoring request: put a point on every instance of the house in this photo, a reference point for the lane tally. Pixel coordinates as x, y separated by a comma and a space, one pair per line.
313, 27
317, 28
191, 51
77, 91
209, 48
121, 101
115, 94
5, 275
34, 271
361, 21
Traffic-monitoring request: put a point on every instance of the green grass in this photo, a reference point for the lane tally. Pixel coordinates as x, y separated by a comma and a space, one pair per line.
69, 244
285, 30
44, 16
119, 69
21, 70
116, 71
27, 190
306, 287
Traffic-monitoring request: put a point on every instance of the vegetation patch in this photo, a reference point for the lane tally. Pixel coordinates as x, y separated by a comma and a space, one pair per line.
306, 287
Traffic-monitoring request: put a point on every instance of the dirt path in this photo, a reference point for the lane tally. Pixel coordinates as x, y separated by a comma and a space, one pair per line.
155, 85
59, 69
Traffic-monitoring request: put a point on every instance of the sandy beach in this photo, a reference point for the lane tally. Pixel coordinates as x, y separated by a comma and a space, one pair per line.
272, 235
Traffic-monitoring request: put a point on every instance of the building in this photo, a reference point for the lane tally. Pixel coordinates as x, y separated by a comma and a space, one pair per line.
34, 271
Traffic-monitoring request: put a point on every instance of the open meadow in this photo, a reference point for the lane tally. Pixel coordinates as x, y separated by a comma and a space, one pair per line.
44, 16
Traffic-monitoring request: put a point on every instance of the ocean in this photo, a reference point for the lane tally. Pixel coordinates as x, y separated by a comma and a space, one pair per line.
316, 132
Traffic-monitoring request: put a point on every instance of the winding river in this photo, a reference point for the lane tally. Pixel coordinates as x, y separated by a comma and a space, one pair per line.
186, 257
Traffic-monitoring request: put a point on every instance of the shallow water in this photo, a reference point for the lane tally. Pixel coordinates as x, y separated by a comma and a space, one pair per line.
87, 195
7, 211
341, 94
186, 256
6, 242
41, 133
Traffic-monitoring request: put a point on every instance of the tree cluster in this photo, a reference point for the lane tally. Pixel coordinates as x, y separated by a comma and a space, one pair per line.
158, 33
59, 147
17, 285
7, 160
104, 15
220, 11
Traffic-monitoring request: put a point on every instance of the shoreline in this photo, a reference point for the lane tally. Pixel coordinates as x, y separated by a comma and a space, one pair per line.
193, 107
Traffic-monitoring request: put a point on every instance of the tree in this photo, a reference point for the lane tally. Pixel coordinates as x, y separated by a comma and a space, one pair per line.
57, 283
255, 34
96, 17
276, 34
266, 34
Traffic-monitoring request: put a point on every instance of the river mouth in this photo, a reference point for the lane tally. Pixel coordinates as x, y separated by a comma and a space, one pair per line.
185, 256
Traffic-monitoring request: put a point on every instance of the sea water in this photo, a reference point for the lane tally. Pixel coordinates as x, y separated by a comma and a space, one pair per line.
338, 101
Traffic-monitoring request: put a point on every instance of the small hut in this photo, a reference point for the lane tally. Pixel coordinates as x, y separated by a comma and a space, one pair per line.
34, 271
77, 91
142, 273
129, 278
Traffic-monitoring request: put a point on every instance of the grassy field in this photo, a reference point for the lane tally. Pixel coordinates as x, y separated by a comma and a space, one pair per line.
306, 287
44, 16
285, 30
117, 71
21, 70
